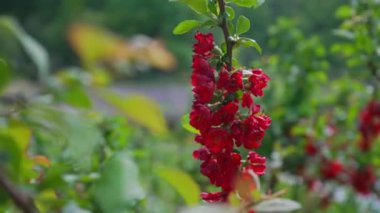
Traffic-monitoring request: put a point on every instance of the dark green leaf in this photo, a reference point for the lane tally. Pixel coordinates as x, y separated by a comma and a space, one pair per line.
4, 74
186, 26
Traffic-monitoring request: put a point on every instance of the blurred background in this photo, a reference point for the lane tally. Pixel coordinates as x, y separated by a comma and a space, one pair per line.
94, 97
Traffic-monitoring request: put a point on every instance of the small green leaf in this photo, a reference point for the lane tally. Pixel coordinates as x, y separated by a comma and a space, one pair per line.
246, 3
186, 26
247, 42
4, 74
243, 24
199, 6
230, 13
182, 183
119, 187
185, 122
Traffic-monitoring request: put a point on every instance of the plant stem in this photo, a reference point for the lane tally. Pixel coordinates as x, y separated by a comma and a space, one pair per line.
22, 200
229, 42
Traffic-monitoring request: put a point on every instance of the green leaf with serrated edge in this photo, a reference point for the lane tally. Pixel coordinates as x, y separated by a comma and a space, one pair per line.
243, 25
182, 183
185, 122
199, 6
246, 3
230, 13
186, 26
247, 42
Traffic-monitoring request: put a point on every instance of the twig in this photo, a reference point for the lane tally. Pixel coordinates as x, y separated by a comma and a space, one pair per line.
229, 42
22, 200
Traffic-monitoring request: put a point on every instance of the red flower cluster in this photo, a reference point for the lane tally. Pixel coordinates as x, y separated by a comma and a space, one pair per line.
369, 125
226, 116
363, 180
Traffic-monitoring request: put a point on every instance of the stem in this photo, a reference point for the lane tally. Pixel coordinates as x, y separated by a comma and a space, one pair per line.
229, 42
22, 200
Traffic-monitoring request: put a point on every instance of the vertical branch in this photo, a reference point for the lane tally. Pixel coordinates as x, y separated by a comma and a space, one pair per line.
229, 42
22, 200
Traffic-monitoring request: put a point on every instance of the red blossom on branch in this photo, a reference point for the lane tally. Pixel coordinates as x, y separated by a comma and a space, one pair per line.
222, 126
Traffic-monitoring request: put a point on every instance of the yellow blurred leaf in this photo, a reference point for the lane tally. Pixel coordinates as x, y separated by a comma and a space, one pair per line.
41, 160
138, 108
182, 183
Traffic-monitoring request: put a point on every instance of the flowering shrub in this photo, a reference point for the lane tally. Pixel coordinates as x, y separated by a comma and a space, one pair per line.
225, 119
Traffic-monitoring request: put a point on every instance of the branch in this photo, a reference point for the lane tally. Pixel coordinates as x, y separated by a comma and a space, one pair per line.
223, 25
22, 200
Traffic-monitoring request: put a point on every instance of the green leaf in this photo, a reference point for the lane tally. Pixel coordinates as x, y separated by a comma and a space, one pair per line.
243, 24
139, 108
247, 42
118, 187
4, 74
199, 6
77, 97
185, 122
230, 13
344, 12
186, 26
182, 183
246, 3
10, 156
76, 137
35, 50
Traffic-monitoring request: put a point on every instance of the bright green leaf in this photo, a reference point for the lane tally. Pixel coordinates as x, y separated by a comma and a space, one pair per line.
246, 3
10, 156
199, 6
230, 13
182, 183
118, 187
186, 26
35, 50
243, 24
247, 42
139, 108
185, 122
77, 96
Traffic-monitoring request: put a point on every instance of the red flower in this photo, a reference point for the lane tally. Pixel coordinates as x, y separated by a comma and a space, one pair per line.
225, 114
363, 180
205, 44
217, 140
230, 83
247, 100
311, 149
331, 169
200, 117
369, 124
204, 93
258, 81
214, 197
256, 163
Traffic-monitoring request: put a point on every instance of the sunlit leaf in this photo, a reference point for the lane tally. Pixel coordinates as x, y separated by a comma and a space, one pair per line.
243, 24
185, 122
139, 108
35, 50
186, 26
199, 6
118, 187
182, 183
10, 156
